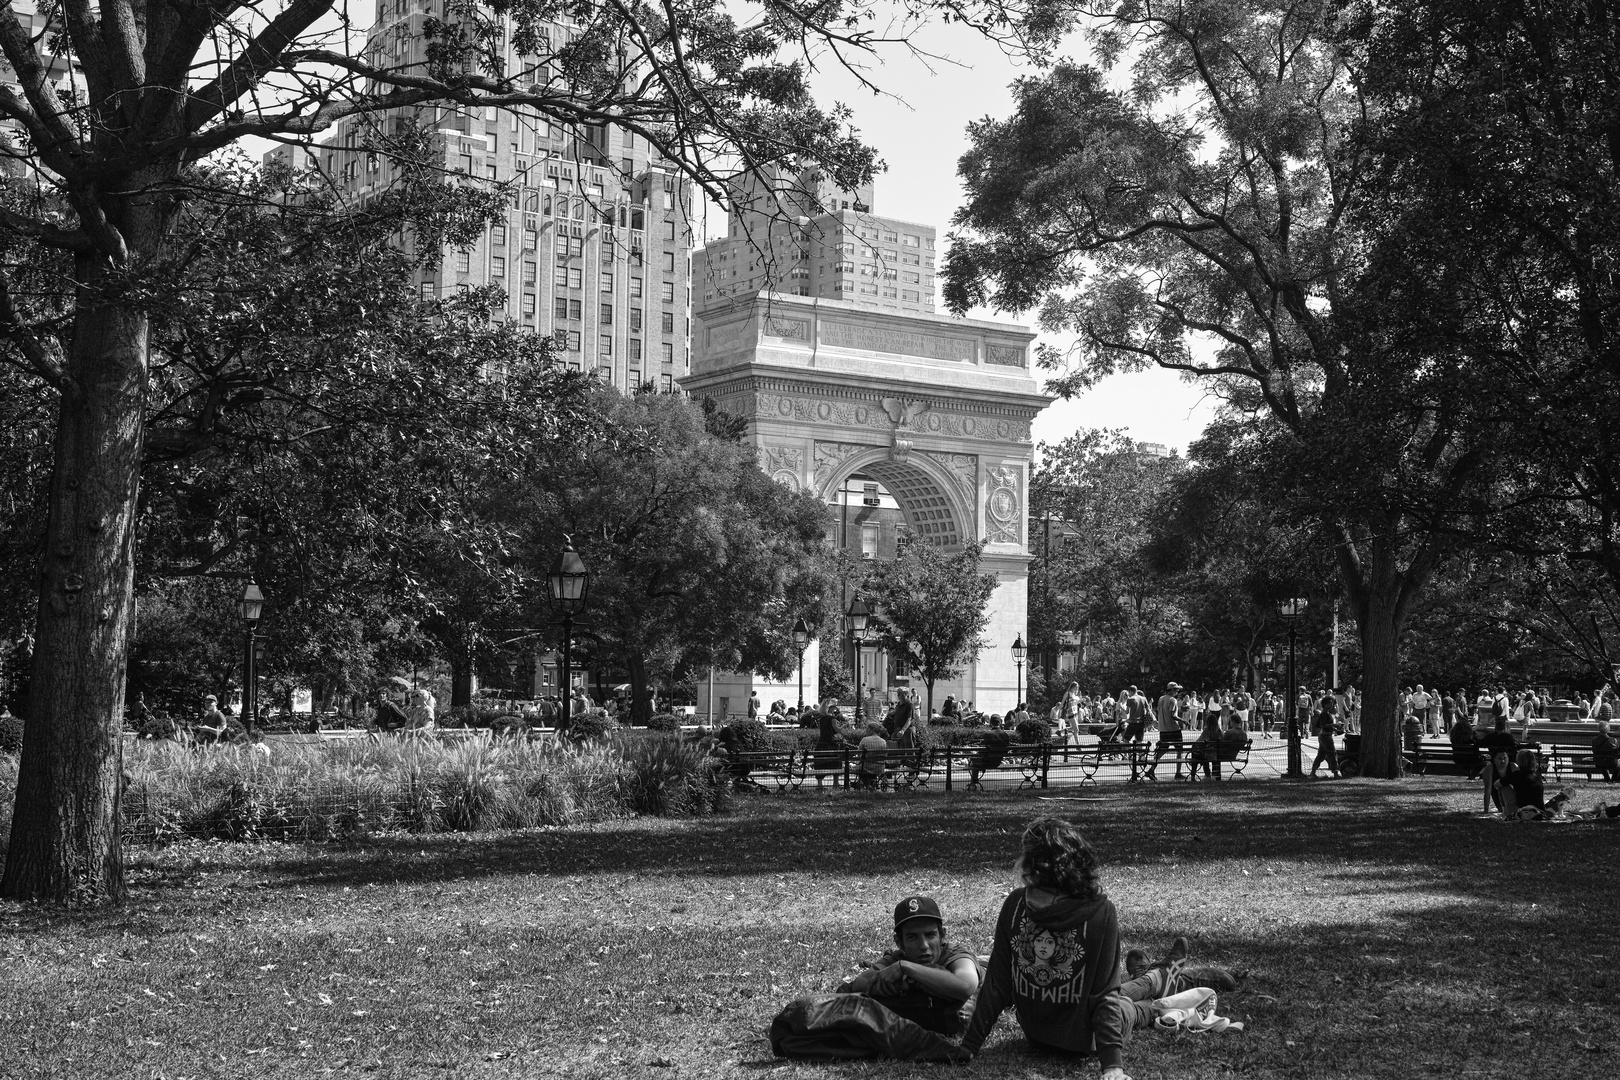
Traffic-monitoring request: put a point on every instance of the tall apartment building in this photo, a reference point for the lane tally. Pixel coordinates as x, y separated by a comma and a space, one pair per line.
596, 248
799, 234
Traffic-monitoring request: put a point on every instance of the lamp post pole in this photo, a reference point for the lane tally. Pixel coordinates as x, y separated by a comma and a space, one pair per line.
252, 608
858, 614
1018, 658
801, 641
568, 583
1291, 610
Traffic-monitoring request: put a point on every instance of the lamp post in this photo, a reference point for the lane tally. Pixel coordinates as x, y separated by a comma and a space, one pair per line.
858, 614
801, 641
1018, 658
251, 607
568, 583
1291, 609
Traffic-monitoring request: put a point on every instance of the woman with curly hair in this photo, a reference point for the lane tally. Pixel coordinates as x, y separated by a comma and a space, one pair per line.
1056, 958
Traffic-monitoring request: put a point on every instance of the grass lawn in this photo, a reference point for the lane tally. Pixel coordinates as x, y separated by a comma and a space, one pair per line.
1388, 932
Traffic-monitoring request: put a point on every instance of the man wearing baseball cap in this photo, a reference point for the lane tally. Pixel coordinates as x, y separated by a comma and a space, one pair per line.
925, 978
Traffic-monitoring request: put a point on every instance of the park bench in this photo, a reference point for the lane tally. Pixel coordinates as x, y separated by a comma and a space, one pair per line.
1432, 756
972, 762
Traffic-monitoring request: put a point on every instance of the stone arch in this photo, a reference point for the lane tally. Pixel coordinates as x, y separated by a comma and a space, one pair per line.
937, 498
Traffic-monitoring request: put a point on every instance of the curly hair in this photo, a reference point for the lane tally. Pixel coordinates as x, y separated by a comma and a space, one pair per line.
1057, 857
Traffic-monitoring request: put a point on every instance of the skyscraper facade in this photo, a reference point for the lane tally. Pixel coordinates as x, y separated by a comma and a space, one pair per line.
799, 234
595, 247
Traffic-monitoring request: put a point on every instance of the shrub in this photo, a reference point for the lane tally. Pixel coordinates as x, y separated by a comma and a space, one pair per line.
753, 736
592, 725
11, 734
664, 722
1034, 730
668, 777
508, 726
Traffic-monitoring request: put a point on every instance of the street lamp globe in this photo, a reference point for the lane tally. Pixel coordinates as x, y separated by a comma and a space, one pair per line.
858, 614
801, 634
1019, 651
569, 581
252, 603
1267, 655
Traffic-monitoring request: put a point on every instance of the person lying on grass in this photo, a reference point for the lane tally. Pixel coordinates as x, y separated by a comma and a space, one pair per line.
1056, 961
926, 978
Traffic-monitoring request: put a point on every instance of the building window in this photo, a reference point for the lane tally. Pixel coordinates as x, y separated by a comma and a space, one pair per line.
910, 279
668, 291
605, 282
669, 229
559, 309
528, 303
604, 345
668, 352
909, 295
573, 341
573, 309
844, 267
427, 290
635, 286
890, 238
869, 539
576, 278
668, 322
912, 241
910, 259
463, 261
667, 383
634, 381
635, 348
669, 262
635, 320
529, 270
497, 266
605, 314
498, 235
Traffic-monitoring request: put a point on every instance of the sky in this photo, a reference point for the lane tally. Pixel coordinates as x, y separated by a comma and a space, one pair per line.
919, 130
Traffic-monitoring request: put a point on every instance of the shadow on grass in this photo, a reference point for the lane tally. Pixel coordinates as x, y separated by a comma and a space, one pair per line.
1377, 831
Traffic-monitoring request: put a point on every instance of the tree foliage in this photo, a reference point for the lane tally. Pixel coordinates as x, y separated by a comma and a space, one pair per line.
1191, 203
930, 608
697, 558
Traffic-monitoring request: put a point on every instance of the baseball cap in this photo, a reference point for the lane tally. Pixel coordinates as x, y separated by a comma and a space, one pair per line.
916, 907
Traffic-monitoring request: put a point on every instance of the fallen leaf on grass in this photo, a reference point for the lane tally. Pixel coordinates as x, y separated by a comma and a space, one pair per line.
661, 1063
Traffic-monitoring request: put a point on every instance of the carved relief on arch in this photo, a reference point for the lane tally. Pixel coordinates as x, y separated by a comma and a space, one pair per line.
1004, 507
784, 464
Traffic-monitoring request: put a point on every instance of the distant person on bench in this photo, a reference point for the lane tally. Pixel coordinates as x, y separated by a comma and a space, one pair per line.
1606, 753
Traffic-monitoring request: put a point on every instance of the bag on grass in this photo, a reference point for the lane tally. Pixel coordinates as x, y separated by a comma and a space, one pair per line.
854, 1026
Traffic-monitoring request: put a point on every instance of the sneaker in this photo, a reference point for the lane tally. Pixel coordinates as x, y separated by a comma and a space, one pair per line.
1136, 962
1213, 977
1176, 956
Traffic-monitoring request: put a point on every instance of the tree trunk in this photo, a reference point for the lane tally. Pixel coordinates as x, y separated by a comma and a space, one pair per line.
463, 681
65, 845
1380, 615
640, 704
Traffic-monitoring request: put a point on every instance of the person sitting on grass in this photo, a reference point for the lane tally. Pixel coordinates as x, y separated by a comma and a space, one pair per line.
1056, 960
1528, 799
926, 978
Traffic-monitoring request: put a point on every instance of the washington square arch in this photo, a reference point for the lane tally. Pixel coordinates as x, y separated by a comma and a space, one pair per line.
897, 421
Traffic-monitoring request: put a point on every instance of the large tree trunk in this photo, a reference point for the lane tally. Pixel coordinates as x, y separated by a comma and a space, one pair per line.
1381, 593
65, 830
640, 700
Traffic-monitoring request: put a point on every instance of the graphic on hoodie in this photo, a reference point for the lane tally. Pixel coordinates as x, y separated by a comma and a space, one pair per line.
1048, 965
